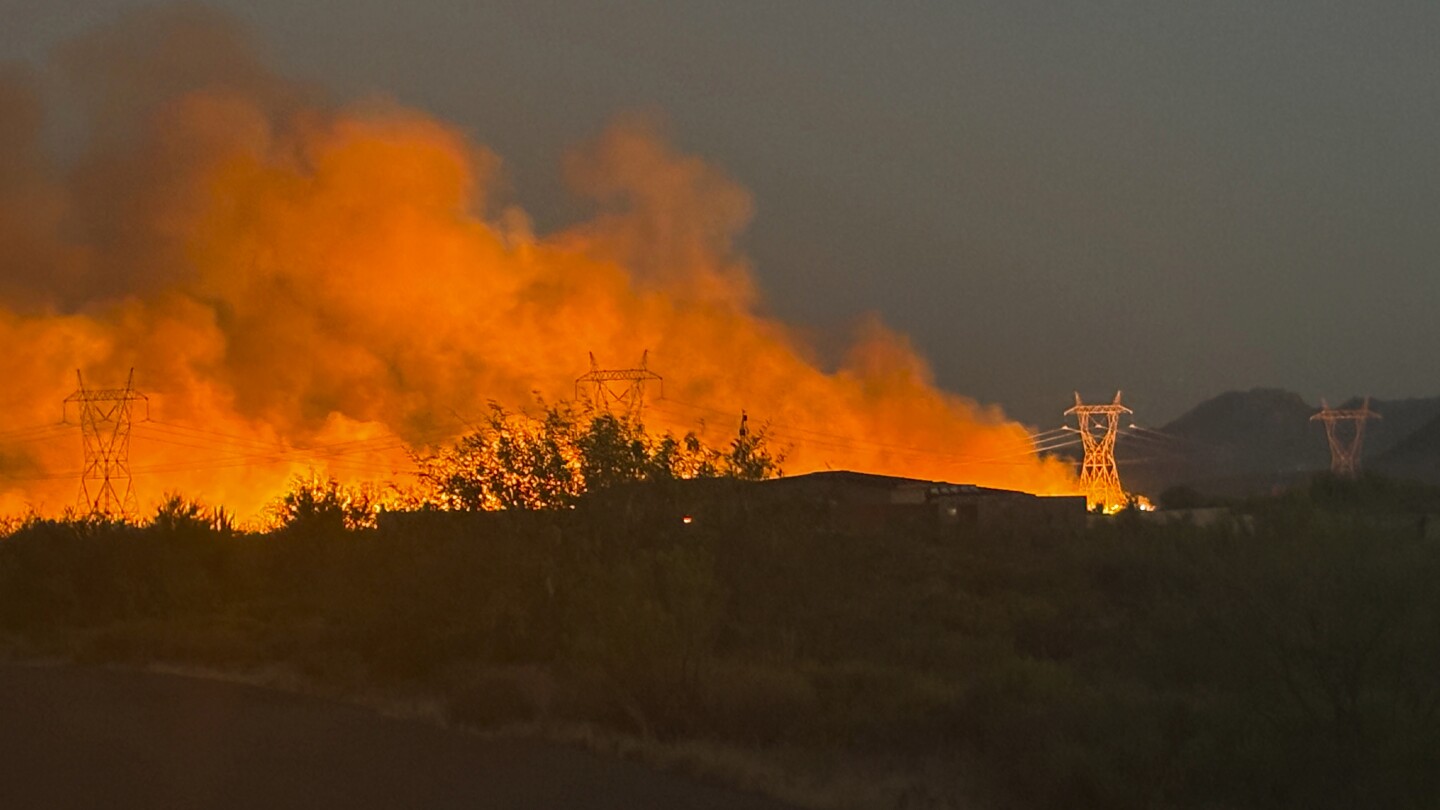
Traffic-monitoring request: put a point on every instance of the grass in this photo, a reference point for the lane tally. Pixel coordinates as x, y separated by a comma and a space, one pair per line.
1279, 661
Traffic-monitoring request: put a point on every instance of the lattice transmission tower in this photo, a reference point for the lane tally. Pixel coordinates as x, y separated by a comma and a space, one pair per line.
1098, 474
105, 414
1345, 449
619, 391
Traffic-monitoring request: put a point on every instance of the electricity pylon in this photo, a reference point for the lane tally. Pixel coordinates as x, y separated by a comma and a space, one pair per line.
604, 392
105, 485
1098, 475
1345, 451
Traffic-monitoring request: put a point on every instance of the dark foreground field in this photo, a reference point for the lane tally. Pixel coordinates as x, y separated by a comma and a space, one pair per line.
1286, 658
90, 738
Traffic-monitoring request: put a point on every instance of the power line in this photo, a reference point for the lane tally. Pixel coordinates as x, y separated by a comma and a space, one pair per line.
19, 434
1008, 455
274, 456
855, 443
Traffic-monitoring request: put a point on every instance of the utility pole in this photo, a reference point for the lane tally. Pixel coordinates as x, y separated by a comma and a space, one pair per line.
105, 413
1098, 474
603, 391
1345, 450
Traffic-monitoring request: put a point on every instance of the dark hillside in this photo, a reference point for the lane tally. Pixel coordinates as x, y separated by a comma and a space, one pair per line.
1417, 456
1399, 420
1249, 437
1250, 442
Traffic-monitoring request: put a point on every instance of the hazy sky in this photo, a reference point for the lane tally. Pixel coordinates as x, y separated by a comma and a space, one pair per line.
1175, 198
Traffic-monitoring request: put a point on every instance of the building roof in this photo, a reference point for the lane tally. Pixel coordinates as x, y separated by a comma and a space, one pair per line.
885, 482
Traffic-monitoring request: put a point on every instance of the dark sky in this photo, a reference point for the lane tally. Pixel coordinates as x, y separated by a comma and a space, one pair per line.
1174, 198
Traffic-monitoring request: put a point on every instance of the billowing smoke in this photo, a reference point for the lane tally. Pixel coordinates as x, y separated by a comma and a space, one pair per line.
298, 283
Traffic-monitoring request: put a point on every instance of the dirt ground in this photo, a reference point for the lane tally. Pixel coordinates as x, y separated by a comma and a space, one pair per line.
73, 737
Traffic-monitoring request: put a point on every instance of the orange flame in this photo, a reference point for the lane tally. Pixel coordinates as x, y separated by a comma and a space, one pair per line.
300, 286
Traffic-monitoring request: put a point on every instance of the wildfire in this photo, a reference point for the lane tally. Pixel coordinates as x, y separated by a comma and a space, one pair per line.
301, 286
1132, 501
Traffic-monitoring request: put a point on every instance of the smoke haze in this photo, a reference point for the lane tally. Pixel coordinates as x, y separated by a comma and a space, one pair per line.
303, 284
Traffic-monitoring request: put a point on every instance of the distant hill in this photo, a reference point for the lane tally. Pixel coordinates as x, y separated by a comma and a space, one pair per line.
1243, 442
1399, 420
1416, 456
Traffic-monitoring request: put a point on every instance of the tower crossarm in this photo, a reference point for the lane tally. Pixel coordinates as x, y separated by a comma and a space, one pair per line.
1343, 414
106, 394
618, 375
631, 395
1345, 451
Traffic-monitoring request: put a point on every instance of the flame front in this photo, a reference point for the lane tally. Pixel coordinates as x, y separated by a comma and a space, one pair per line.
302, 286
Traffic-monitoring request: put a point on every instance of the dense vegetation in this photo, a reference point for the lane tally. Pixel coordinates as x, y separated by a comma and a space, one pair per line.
1287, 658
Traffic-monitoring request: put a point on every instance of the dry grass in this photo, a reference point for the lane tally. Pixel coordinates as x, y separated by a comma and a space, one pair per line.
812, 779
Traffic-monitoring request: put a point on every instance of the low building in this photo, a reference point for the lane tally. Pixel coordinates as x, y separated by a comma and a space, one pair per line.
855, 501
840, 501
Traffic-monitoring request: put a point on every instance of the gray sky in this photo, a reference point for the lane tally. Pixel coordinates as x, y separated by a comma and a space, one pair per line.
1175, 198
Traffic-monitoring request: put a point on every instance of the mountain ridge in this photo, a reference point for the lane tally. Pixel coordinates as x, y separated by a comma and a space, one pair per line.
1241, 442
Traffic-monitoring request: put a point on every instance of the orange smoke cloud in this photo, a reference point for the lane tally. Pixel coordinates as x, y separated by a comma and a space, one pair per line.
298, 285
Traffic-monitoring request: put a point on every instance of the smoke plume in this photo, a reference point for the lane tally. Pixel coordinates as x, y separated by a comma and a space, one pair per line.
299, 283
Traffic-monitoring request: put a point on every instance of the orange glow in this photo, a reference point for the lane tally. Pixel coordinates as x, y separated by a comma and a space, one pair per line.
1132, 501
299, 287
